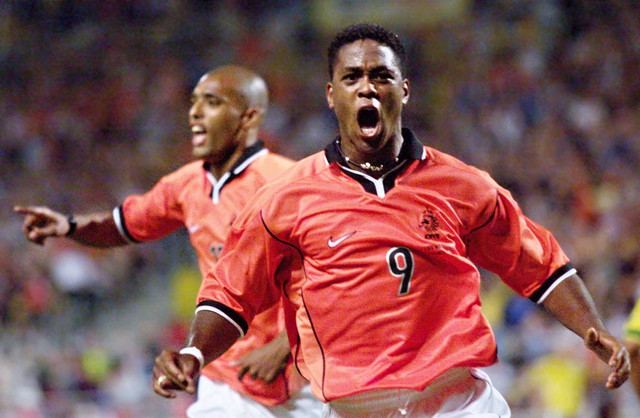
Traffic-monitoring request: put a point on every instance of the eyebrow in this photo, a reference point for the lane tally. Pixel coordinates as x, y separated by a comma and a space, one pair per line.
373, 70
351, 70
209, 96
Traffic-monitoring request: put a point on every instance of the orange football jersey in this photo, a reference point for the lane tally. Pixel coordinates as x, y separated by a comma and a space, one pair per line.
191, 197
389, 291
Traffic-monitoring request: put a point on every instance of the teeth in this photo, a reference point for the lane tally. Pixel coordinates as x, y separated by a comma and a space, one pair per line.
197, 129
368, 131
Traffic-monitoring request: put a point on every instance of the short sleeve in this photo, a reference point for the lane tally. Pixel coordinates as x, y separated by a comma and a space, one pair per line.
153, 215
523, 253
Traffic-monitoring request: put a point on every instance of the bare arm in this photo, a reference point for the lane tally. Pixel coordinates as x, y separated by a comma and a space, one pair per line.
212, 334
94, 229
571, 304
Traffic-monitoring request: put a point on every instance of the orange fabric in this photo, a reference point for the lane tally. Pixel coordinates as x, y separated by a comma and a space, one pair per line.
183, 198
389, 297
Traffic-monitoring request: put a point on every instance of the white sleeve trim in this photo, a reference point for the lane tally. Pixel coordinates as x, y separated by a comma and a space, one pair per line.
556, 283
118, 219
222, 314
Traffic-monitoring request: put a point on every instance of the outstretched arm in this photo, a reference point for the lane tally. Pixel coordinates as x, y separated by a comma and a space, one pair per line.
95, 229
212, 335
571, 304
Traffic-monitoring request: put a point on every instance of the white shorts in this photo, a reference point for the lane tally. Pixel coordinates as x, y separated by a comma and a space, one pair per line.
216, 399
459, 392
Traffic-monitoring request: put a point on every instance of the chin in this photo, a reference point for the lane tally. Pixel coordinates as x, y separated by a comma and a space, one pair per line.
373, 143
200, 153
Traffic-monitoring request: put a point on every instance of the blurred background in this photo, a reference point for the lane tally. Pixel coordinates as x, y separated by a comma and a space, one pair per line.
543, 94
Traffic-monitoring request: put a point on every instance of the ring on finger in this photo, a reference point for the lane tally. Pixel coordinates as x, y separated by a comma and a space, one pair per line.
161, 380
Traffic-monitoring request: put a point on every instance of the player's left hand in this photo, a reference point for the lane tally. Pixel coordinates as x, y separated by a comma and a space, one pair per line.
267, 362
174, 371
612, 352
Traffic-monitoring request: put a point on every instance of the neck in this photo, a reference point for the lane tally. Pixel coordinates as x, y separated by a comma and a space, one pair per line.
220, 166
372, 165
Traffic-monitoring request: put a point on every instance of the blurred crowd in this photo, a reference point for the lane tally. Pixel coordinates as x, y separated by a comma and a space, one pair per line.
543, 94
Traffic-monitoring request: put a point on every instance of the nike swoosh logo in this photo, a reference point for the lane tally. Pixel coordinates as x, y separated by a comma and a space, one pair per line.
331, 243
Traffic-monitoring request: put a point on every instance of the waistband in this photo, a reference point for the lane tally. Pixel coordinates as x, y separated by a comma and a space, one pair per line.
453, 381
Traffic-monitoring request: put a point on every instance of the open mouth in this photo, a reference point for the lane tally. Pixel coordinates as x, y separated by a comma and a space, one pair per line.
368, 119
198, 135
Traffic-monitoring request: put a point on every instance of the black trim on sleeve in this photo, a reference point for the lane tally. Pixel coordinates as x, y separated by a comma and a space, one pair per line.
535, 297
73, 225
233, 315
123, 225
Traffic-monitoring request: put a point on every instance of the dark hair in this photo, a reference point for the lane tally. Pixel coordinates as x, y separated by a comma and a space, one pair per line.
363, 31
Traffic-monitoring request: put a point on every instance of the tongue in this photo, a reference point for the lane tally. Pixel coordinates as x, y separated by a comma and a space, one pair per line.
197, 139
368, 130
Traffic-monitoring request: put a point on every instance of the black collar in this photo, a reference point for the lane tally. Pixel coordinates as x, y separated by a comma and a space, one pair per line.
248, 153
412, 149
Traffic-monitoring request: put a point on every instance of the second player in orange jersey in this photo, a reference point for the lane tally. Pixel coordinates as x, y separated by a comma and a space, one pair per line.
227, 108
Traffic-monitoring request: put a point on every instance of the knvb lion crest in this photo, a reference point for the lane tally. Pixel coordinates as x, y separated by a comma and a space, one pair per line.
429, 224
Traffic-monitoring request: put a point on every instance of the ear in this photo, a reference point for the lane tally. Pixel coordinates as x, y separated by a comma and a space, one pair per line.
330, 95
405, 88
251, 118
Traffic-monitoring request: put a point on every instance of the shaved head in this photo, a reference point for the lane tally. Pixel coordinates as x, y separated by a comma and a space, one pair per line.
244, 85
228, 105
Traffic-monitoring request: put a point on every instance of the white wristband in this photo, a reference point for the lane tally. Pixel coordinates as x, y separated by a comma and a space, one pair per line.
195, 352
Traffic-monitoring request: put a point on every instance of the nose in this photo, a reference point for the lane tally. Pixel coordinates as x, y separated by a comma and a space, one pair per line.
195, 110
367, 88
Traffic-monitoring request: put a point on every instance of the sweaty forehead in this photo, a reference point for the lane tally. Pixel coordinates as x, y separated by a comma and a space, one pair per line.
364, 54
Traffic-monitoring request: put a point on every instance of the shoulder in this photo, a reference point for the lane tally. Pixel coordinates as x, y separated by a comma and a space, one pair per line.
273, 158
301, 170
186, 174
470, 191
189, 169
282, 193
456, 172
270, 165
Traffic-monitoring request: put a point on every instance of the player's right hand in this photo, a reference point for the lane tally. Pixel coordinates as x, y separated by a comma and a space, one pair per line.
41, 223
174, 371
